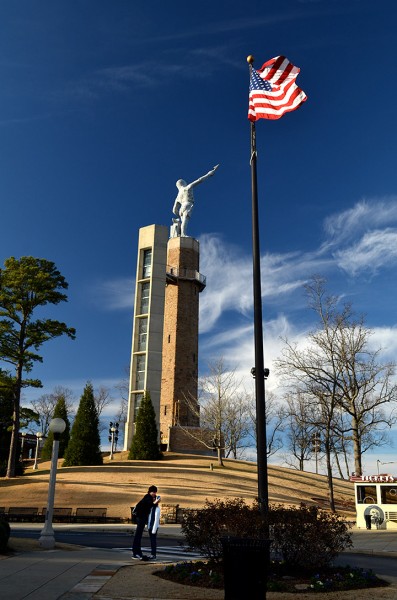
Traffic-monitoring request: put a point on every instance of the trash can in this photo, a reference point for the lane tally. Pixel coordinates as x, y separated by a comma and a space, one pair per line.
245, 567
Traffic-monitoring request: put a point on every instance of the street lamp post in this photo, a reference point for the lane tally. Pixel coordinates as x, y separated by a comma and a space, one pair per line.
113, 437
23, 436
378, 462
39, 435
47, 538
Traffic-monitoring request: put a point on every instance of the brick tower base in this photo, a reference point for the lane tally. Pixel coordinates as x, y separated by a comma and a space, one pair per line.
190, 440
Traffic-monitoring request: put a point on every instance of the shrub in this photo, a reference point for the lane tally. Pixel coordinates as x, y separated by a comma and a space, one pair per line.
295, 533
203, 528
145, 441
84, 444
4, 535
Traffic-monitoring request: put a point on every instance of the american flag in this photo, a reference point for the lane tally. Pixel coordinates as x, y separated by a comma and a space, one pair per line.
273, 90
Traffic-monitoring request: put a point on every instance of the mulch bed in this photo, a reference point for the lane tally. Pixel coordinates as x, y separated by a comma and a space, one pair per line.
280, 579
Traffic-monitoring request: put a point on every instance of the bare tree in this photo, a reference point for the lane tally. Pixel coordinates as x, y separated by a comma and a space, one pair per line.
102, 399
223, 408
365, 387
300, 429
237, 425
275, 422
314, 371
338, 372
123, 388
44, 406
341, 444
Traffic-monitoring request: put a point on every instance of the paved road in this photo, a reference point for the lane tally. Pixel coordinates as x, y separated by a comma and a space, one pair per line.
97, 539
384, 566
168, 549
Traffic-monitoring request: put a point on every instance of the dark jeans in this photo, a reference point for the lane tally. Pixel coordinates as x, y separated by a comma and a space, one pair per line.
153, 542
140, 526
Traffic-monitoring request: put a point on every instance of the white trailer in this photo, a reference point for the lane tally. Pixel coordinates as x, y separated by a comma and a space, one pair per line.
376, 501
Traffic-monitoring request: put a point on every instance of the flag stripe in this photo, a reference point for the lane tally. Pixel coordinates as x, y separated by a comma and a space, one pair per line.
280, 94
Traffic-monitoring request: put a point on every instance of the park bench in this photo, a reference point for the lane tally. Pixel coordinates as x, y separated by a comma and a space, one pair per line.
22, 513
61, 515
90, 515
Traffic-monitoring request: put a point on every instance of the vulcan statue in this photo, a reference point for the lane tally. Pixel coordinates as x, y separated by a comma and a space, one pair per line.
184, 202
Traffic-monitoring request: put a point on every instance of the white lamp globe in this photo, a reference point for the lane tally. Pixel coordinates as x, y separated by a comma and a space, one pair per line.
57, 425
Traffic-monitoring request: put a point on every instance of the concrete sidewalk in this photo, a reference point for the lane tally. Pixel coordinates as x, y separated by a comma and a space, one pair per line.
79, 573
52, 574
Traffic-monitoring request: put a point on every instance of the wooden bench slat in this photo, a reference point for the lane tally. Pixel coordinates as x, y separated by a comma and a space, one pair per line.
22, 513
67, 512
96, 512
59, 514
92, 514
22, 510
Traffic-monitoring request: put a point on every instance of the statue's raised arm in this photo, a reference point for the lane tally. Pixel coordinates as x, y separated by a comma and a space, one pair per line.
184, 202
203, 178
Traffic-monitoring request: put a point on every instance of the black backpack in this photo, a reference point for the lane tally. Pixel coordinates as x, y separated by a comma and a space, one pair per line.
137, 510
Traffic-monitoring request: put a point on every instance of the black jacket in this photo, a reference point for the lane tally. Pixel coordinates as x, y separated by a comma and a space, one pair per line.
144, 506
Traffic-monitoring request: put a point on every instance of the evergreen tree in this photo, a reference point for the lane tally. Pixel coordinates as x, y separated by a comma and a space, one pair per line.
6, 404
84, 443
60, 412
145, 441
27, 284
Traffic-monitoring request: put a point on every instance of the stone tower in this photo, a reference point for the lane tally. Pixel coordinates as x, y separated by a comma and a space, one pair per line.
164, 356
178, 399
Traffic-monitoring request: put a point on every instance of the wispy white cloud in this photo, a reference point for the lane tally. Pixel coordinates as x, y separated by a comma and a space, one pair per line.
229, 278
386, 339
373, 251
355, 242
360, 240
235, 344
364, 216
113, 294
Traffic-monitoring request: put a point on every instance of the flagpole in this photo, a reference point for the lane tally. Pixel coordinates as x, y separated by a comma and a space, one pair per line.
261, 443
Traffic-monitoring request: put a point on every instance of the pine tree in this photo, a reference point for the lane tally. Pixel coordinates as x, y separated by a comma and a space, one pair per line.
26, 285
84, 443
60, 412
145, 441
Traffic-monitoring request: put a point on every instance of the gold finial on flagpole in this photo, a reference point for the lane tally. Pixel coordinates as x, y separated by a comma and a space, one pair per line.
250, 59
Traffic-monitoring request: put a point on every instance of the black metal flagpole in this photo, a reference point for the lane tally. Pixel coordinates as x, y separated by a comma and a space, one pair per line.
261, 443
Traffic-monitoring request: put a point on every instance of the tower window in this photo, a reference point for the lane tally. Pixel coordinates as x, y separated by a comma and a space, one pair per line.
140, 371
147, 263
142, 334
145, 291
137, 404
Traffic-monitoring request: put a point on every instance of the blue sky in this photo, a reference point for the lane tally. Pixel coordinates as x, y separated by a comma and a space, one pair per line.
104, 105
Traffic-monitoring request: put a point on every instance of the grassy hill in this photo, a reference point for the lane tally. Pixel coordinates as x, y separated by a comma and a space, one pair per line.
186, 480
